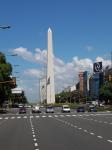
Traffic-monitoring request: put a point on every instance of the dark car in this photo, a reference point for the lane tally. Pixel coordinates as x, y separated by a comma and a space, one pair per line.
22, 110
81, 109
92, 108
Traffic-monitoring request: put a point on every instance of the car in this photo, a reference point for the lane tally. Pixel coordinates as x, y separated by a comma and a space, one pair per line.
92, 108
36, 109
81, 109
65, 108
49, 109
20, 105
22, 110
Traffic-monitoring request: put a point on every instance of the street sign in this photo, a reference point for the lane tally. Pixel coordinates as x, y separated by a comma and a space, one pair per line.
97, 67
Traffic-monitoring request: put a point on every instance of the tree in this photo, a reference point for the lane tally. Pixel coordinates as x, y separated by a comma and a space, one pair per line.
5, 80
106, 92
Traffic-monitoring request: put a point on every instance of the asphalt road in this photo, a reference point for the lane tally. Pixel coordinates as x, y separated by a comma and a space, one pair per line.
58, 131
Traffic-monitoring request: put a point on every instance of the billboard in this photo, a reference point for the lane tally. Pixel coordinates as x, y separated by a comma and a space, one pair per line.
97, 67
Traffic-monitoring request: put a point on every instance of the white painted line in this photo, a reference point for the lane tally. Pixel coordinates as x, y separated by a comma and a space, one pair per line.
92, 133
100, 137
75, 126
61, 115
25, 117
18, 117
85, 131
33, 132
55, 116
31, 116
109, 141
68, 115
43, 116
111, 123
12, 117
6, 117
50, 116
35, 139
37, 116
1, 118
33, 135
79, 128
73, 115
36, 144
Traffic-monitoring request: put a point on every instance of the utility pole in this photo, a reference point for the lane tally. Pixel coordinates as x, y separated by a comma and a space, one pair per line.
111, 59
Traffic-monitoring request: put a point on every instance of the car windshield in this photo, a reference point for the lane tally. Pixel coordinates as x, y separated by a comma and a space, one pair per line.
65, 107
50, 107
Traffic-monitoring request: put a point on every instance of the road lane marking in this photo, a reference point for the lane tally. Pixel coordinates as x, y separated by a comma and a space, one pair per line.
37, 116
43, 116
61, 115
100, 137
1, 118
6, 118
35, 139
36, 144
31, 116
79, 128
92, 133
55, 116
50, 116
109, 141
85, 131
25, 117
18, 117
12, 117
68, 115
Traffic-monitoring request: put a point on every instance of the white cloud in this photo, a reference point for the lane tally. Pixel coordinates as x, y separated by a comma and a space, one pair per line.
66, 74
34, 73
89, 48
39, 56
24, 53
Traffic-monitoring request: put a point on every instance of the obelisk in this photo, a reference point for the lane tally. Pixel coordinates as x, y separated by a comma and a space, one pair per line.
50, 70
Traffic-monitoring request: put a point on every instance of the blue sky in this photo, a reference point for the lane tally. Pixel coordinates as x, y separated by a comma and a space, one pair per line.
81, 28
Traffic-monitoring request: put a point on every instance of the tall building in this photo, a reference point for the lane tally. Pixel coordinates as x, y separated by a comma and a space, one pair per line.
83, 82
50, 71
95, 82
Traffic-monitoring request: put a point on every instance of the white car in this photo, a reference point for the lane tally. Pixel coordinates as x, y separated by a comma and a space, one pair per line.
36, 109
65, 108
49, 109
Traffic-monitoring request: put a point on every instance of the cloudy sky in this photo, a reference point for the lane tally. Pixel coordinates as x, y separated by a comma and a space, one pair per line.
82, 35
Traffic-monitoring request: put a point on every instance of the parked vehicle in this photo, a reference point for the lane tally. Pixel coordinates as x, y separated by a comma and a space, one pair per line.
81, 109
65, 108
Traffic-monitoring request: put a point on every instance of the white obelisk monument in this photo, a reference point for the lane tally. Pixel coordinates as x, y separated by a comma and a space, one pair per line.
50, 71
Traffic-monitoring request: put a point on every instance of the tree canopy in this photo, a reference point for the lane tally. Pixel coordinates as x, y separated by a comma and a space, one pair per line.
5, 72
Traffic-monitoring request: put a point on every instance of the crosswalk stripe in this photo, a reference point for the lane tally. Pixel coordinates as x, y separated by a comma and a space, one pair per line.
25, 117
